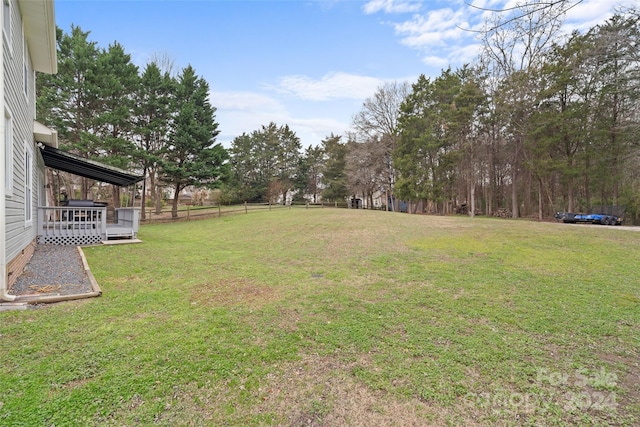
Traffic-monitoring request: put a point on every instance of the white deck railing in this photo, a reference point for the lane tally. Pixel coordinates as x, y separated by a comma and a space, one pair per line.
127, 223
72, 225
66, 225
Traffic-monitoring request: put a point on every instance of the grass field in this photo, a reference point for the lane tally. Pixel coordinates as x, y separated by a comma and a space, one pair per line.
331, 317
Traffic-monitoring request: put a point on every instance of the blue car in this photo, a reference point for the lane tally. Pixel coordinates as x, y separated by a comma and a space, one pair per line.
579, 218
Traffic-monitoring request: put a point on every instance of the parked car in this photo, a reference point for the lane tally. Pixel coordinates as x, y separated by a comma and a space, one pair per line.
580, 218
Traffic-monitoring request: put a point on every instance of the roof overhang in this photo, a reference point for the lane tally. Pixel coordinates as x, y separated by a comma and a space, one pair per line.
66, 162
39, 21
46, 135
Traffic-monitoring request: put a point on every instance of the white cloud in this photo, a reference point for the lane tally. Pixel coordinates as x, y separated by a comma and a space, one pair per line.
313, 131
434, 22
244, 101
330, 86
582, 15
436, 62
590, 13
391, 6
245, 112
441, 35
588, 10
466, 54
430, 39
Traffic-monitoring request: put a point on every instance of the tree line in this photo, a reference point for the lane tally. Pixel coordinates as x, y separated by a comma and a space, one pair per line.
538, 123
152, 120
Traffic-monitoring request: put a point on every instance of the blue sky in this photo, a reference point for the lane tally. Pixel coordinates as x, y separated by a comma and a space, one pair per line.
307, 64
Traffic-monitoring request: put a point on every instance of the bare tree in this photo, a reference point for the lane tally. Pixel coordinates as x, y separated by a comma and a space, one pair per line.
364, 170
165, 62
378, 120
515, 44
524, 9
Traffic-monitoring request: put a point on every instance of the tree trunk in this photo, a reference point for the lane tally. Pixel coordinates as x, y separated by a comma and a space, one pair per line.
158, 197
472, 200
587, 182
156, 193
514, 196
143, 200
174, 205
540, 215
84, 189
116, 196
570, 196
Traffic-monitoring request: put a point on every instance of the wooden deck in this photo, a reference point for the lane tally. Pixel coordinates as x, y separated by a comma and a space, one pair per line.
85, 226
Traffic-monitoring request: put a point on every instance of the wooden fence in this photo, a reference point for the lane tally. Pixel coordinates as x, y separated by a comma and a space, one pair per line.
188, 213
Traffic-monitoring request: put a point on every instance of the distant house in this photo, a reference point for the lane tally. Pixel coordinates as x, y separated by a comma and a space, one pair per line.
29, 45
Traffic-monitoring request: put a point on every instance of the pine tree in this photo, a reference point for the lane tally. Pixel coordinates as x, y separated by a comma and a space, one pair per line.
193, 157
116, 81
69, 99
153, 116
334, 173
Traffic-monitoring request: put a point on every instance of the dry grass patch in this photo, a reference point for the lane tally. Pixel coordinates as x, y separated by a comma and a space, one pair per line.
313, 391
233, 292
629, 381
322, 391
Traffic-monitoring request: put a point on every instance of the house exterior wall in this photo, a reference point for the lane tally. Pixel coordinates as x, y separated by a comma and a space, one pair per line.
27, 30
19, 105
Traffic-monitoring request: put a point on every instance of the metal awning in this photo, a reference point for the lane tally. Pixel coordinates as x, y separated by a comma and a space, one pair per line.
66, 162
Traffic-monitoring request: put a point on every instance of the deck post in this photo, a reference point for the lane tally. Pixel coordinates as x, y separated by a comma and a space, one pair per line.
103, 222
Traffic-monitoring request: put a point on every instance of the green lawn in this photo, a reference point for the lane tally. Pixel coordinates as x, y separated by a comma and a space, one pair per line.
331, 317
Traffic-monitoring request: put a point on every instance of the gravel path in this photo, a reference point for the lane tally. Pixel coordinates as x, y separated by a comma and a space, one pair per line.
53, 270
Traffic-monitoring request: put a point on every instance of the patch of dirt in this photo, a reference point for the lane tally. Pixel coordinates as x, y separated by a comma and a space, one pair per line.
320, 391
628, 381
77, 383
314, 391
232, 292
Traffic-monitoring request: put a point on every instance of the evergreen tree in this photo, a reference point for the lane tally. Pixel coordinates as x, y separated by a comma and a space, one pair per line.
617, 49
334, 172
116, 80
247, 181
265, 164
426, 155
309, 176
193, 157
68, 100
287, 159
155, 99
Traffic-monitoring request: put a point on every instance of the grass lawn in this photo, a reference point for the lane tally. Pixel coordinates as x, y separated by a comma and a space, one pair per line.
329, 317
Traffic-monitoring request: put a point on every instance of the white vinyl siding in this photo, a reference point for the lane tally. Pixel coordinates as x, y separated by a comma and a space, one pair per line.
6, 22
21, 205
25, 66
8, 154
28, 184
